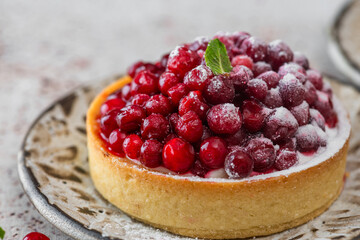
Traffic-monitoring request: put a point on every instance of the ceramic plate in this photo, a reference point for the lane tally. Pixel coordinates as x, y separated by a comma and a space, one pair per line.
344, 44
53, 168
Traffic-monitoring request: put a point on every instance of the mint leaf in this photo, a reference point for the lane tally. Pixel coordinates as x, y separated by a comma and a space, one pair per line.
216, 57
2, 233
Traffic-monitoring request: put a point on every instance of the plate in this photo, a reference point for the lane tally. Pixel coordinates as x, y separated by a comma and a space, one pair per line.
54, 172
344, 40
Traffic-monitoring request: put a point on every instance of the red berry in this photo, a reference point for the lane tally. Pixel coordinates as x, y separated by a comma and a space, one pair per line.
164, 60
36, 236
126, 92
315, 78
116, 140
280, 125
261, 67
206, 133
273, 98
262, 152
291, 90
271, 78
242, 60
219, 90
255, 48
198, 169
257, 88
194, 102
199, 43
253, 115
294, 69
198, 77
240, 76
169, 137
213, 152
301, 113
155, 126
238, 164
130, 118
158, 104
224, 119
178, 155
111, 104
236, 139
325, 107
173, 119
310, 93
300, 59
150, 153
278, 54
177, 92
108, 122
190, 127
239, 37
132, 145
317, 119
327, 89
181, 60
285, 159
309, 138
144, 82
140, 99
166, 81
133, 68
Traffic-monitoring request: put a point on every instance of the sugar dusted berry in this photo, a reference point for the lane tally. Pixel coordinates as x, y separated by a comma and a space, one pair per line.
291, 90
178, 155
253, 115
273, 98
130, 118
300, 59
271, 78
155, 126
194, 102
279, 53
158, 104
285, 159
132, 145
242, 60
150, 153
262, 152
198, 78
144, 82
189, 127
317, 119
301, 113
236, 139
213, 152
308, 138
238, 164
310, 93
181, 60
257, 88
240, 76
224, 119
315, 78
261, 67
219, 90
255, 48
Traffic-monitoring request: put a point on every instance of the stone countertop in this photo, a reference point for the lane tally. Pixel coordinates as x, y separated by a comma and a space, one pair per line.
49, 47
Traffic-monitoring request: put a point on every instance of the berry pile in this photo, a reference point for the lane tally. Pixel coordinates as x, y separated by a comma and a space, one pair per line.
178, 114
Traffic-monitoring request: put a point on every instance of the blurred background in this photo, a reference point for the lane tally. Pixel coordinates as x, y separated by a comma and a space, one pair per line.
49, 47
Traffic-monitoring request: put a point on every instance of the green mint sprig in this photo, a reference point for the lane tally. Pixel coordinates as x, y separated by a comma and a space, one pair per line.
216, 57
2, 233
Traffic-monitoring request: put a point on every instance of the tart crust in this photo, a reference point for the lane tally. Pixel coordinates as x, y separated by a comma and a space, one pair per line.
209, 208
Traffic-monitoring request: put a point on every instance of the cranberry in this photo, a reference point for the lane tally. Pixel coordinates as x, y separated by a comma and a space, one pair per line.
178, 155
279, 53
200, 43
133, 68
301, 113
144, 82
285, 159
206, 133
261, 67
155, 126
310, 93
36, 236
273, 98
108, 122
253, 115
315, 78
132, 145
194, 102
294, 69
271, 78
169, 137
237, 139
189, 127
111, 104
238, 164
317, 119
158, 104
331, 119
198, 77
140, 99
130, 118
242, 60
213, 152
239, 37
164, 60
224, 119
126, 92
199, 169
262, 152
255, 48
308, 138
150, 153
177, 92
219, 90
181, 60
290, 144
257, 88
116, 140
300, 59
173, 119
327, 89
291, 90
166, 81
324, 105
240, 76
280, 125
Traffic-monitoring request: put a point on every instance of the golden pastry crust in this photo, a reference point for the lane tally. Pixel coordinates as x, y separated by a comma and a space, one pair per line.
211, 209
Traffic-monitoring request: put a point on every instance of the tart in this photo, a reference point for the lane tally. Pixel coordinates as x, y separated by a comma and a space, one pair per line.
250, 148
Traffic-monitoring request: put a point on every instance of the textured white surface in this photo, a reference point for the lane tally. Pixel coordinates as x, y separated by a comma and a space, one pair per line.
49, 47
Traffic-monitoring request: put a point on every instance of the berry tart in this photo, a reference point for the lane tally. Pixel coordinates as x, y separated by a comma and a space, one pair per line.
227, 137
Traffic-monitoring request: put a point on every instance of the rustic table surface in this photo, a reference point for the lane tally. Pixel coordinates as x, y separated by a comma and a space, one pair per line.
49, 47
